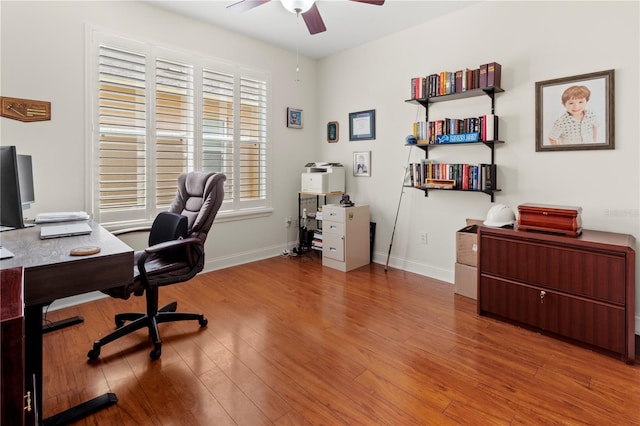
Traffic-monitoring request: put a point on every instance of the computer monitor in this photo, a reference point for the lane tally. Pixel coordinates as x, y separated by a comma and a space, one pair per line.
25, 179
14, 170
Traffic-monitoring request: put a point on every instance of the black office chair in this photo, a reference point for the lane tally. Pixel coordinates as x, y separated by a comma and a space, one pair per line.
175, 255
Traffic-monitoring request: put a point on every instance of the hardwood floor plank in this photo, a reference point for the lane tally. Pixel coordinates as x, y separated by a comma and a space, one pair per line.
290, 342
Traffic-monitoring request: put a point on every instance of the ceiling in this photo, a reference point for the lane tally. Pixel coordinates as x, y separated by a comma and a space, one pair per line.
348, 23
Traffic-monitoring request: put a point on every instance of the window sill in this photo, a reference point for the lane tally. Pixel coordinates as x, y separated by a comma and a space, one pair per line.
221, 217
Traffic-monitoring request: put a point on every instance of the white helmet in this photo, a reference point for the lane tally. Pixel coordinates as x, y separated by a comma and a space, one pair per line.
499, 216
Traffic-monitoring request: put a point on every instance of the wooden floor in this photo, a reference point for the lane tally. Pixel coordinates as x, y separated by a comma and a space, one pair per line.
292, 343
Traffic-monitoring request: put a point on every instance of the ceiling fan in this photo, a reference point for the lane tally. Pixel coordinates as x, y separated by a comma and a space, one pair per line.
307, 8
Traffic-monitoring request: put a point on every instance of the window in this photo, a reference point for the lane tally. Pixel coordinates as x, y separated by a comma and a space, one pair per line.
160, 113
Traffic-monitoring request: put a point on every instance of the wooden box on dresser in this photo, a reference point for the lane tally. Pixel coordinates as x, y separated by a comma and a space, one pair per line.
579, 288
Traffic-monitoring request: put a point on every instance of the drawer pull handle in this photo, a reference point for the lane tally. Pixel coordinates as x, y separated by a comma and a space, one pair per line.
27, 397
542, 294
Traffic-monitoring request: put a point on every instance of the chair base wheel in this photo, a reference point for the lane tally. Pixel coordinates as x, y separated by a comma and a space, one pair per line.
155, 354
94, 353
203, 322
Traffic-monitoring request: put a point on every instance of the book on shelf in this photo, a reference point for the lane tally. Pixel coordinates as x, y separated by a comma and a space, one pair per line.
494, 71
489, 127
482, 81
487, 177
458, 81
418, 88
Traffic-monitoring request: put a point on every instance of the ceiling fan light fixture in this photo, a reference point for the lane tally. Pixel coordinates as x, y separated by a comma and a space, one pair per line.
297, 6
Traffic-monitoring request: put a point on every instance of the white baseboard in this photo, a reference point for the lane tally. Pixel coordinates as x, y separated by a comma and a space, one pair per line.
415, 267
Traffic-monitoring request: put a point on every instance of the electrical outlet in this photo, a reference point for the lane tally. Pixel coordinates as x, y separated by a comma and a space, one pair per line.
423, 237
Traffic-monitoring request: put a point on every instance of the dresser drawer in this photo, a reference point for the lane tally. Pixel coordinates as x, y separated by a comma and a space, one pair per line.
333, 247
596, 274
333, 227
594, 323
334, 213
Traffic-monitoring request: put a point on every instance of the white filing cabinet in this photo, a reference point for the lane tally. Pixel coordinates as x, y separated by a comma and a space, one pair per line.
345, 236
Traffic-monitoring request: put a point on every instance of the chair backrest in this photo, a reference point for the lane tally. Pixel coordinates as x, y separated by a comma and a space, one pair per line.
199, 198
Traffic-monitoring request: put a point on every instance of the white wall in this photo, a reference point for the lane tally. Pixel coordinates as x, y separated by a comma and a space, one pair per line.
533, 41
43, 58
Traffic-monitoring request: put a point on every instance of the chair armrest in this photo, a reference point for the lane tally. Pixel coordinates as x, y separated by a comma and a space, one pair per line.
172, 244
131, 230
157, 248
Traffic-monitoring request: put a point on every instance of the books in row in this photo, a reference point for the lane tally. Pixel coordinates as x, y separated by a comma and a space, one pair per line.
429, 132
448, 82
465, 177
316, 243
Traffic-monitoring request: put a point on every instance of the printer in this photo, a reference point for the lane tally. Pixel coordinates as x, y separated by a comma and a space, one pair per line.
321, 178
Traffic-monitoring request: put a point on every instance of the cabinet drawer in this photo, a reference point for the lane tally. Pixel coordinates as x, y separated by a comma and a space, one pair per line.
333, 227
597, 274
333, 247
591, 322
336, 214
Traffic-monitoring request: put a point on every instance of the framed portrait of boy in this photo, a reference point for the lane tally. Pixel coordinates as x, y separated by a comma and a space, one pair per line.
575, 113
294, 118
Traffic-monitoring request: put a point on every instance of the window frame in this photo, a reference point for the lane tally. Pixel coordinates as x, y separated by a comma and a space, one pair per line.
234, 209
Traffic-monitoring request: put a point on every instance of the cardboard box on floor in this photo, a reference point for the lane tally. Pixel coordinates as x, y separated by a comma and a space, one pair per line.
467, 243
466, 279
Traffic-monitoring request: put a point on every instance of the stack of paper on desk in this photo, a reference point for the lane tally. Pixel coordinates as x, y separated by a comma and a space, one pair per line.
61, 217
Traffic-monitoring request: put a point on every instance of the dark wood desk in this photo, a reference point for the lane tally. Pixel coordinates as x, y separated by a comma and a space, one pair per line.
12, 347
51, 273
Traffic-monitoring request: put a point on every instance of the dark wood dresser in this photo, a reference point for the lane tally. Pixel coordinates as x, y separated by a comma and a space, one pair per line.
578, 288
12, 362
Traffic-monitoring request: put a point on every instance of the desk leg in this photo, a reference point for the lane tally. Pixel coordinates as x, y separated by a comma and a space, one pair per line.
33, 357
57, 325
33, 374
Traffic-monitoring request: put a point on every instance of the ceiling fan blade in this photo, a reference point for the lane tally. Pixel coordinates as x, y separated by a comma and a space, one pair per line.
244, 5
314, 21
373, 2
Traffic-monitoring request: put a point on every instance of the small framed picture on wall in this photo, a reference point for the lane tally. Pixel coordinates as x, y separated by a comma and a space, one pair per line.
294, 118
362, 125
362, 163
333, 132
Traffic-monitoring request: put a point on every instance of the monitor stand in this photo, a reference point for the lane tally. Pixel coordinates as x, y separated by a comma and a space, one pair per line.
11, 228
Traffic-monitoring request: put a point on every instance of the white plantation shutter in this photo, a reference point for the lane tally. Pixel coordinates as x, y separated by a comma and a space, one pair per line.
122, 122
253, 140
236, 147
174, 128
159, 116
218, 126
